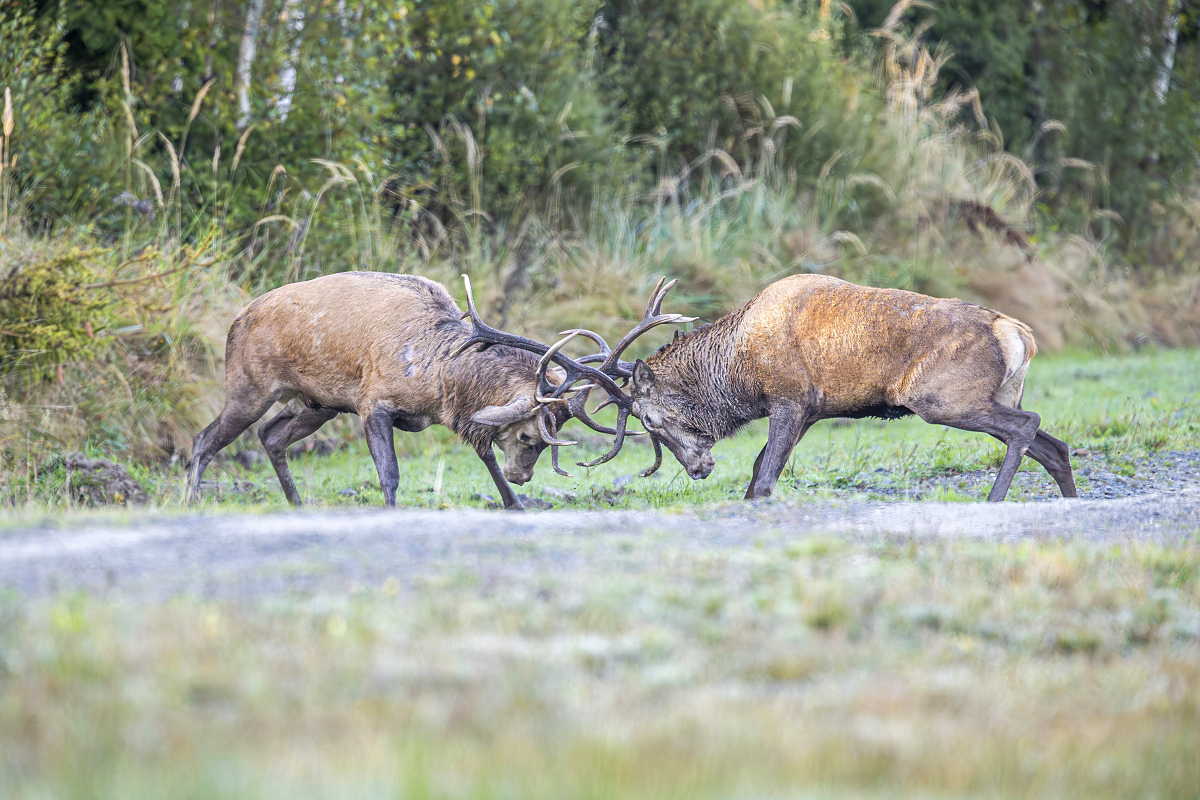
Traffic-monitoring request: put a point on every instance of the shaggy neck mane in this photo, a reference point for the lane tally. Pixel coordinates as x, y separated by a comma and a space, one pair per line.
702, 365
474, 380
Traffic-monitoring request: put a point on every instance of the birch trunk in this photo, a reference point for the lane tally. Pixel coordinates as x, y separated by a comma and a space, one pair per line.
1166, 65
246, 60
294, 14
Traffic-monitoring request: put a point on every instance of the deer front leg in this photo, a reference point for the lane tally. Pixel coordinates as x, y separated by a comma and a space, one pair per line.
378, 427
511, 503
787, 426
754, 475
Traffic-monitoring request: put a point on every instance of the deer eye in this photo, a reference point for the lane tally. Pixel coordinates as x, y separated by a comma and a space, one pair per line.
524, 438
651, 420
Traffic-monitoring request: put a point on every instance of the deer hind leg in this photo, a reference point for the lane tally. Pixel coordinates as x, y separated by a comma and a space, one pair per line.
279, 433
1055, 456
231, 423
1016, 428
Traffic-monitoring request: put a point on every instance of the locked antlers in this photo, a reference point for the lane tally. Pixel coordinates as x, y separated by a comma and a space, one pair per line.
612, 369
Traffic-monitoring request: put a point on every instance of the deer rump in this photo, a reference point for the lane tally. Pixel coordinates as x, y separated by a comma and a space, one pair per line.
381, 346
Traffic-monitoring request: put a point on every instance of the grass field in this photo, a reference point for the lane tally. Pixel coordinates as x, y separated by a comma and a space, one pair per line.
1114, 410
803, 665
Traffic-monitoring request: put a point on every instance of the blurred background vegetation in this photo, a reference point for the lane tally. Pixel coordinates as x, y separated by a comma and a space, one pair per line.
162, 161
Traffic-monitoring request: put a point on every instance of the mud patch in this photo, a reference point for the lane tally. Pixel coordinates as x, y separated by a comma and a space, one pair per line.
100, 482
235, 488
320, 446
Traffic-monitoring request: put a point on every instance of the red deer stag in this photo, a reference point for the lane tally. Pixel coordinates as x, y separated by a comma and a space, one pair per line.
813, 347
380, 346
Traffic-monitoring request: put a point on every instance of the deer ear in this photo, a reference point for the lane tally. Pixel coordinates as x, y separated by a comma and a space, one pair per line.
517, 410
643, 377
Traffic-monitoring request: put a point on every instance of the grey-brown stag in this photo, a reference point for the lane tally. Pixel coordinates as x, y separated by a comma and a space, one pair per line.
382, 346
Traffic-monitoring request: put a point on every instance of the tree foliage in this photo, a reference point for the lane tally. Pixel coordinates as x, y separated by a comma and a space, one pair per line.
1071, 81
492, 109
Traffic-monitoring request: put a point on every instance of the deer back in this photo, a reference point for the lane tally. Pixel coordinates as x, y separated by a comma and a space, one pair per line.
858, 347
349, 338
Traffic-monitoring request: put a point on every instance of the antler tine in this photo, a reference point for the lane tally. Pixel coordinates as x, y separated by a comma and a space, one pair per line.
595, 337
554, 462
577, 405
622, 421
549, 393
554, 393
652, 318
622, 369
486, 335
549, 435
654, 304
653, 468
549, 431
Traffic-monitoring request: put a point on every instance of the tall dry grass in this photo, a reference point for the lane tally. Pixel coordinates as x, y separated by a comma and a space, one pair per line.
161, 299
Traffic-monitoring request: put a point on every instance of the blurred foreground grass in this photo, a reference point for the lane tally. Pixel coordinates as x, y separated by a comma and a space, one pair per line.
800, 666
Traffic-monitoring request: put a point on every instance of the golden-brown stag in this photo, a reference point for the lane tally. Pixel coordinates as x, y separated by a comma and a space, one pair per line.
380, 346
813, 347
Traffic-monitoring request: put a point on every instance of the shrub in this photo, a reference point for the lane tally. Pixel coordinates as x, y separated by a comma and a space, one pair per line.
49, 314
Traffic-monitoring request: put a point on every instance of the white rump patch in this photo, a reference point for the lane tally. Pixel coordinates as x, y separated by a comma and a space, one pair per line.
1016, 362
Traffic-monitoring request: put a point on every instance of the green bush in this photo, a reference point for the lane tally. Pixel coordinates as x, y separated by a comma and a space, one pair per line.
49, 314
703, 74
495, 104
1078, 79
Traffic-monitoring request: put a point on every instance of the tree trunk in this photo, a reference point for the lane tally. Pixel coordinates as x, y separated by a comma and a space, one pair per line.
246, 60
1166, 64
294, 15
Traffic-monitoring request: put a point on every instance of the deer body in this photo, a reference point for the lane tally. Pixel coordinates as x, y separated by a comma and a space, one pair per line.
380, 346
812, 347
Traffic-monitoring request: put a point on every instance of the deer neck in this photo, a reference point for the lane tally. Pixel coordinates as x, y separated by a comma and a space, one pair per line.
474, 380
702, 366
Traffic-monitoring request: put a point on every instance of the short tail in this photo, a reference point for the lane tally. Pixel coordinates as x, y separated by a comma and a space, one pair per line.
1018, 346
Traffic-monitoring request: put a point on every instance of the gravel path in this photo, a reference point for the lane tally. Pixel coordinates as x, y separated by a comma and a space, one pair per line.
233, 556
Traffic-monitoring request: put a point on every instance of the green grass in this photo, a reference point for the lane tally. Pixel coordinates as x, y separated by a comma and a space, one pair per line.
1112, 410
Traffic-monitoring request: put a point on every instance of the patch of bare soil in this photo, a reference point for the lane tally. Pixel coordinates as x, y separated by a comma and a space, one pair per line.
1096, 476
157, 556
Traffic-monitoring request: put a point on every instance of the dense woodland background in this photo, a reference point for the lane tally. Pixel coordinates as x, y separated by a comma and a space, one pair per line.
164, 160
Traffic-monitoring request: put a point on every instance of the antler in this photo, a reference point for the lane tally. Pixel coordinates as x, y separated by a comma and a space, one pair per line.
613, 365
485, 335
595, 337
653, 468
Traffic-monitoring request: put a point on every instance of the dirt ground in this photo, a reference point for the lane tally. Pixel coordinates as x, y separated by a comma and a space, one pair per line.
157, 556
